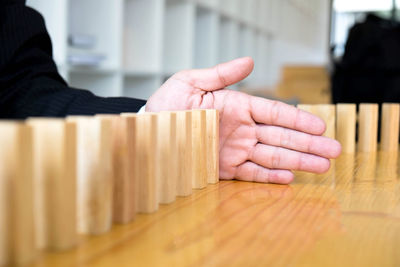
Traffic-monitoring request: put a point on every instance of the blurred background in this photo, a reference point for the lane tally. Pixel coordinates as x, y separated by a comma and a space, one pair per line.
305, 51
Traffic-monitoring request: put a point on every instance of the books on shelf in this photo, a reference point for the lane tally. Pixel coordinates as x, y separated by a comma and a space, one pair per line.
78, 56
89, 60
83, 41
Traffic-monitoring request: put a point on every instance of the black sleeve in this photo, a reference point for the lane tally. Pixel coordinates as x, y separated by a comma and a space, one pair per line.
29, 82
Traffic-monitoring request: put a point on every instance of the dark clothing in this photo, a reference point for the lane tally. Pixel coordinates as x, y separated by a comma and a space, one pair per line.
370, 68
29, 82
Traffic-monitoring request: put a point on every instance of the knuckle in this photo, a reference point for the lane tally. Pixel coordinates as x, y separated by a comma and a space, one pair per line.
300, 163
296, 118
275, 159
275, 111
255, 174
285, 138
309, 143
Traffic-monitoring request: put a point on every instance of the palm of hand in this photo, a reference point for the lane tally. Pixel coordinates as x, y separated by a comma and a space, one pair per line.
260, 140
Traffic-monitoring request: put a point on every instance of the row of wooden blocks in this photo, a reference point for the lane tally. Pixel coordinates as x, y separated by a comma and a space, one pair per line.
63, 177
342, 122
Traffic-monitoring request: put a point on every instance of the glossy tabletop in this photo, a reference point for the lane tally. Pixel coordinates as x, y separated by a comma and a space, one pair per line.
347, 217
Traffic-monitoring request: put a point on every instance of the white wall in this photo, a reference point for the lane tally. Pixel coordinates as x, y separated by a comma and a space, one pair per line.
302, 35
145, 41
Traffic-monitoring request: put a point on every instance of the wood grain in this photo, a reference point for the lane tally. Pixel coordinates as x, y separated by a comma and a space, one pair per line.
94, 174
390, 127
199, 139
124, 168
368, 128
346, 116
17, 244
328, 114
146, 140
55, 186
184, 146
123, 161
167, 163
212, 118
306, 107
311, 223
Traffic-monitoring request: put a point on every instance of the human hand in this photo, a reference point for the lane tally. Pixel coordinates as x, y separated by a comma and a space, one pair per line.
260, 140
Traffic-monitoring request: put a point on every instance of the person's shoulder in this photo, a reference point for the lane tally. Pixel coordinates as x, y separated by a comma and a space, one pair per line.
11, 2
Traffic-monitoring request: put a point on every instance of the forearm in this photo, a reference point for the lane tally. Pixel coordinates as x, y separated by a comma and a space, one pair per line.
29, 82
45, 97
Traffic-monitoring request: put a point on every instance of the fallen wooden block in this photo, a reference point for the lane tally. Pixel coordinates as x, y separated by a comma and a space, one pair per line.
146, 140
368, 128
390, 127
55, 183
199, 139
94, 174
212, 118
184, 147
346, 116
17, 244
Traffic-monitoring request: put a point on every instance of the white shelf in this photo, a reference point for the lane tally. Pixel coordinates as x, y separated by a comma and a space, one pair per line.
248, 11
141, 87
144, 41
206, 38
247, 48
105, 25
179, 27
228, 40
230, 8
101, 84
262, 62
143, 35
211, 4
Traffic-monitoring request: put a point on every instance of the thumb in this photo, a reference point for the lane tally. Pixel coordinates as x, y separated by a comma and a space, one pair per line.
220, 76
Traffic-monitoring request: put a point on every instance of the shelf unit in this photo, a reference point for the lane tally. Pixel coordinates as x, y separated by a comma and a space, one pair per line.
143, 42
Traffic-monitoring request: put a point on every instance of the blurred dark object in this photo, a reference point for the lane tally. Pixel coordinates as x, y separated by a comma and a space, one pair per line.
370, 68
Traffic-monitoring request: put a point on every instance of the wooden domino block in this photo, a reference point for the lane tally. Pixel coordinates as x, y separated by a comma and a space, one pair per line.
123, 164
328, 114
184, 146
55, 183
366, 170
199, 139
390, 127
387, 166
94, 174
346, 116
212, 118
307, 108
368, 128
146, 140
17, 244
167, 164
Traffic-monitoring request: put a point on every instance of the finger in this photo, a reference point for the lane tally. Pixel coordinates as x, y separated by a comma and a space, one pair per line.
277, 113
281, 158
252, 172
299, 141
220, 76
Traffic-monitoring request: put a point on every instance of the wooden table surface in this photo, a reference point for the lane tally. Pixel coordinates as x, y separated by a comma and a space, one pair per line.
348, 217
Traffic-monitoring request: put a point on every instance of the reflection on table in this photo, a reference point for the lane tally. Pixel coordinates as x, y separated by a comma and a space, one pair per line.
347, 217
